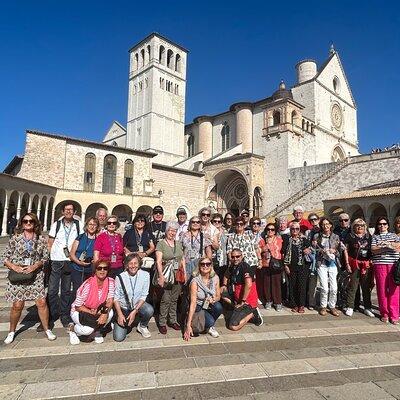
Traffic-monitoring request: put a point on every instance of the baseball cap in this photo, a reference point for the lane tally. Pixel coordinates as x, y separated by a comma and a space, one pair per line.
158, 209
181, 210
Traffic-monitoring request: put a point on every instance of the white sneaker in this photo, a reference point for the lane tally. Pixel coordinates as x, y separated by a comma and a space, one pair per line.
259, 302
10, 338
50, 335
73, 338
144, 331
349, 312
369, 313
213, 332
99, 339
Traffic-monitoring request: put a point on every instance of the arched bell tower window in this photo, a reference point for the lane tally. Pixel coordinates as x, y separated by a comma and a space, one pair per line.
225, 137
277, 117
190, 145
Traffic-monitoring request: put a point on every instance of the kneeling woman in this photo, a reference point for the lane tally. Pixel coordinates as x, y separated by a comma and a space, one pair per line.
204, 295
92, 309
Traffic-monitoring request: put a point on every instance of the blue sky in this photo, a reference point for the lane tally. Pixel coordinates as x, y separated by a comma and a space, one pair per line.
64, 64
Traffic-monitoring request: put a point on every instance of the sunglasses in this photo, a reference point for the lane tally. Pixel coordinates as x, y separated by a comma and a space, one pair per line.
235, 257
294, 229
205, 264
27, 221
245, 215
229, 219
382, 224
92, 224
195, 222
270, 229
111, 222
101, 268
256, 223
359, 226
216, 221
344, 220
313, 219
205, 214
239, 224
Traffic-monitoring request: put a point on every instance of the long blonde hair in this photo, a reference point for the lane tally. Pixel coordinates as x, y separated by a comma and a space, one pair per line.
196, 271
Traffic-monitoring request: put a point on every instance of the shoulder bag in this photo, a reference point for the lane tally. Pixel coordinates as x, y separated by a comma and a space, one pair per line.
168, 271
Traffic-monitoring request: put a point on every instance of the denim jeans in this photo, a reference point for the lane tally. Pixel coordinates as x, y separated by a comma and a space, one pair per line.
211, 314
59, 306
77, 278
145, 313
327, 278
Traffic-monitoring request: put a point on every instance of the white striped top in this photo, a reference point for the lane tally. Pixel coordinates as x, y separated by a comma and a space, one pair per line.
388, 256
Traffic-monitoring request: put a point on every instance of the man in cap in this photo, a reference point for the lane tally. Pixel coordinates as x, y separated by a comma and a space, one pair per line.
157, 225
246, 216
181, 214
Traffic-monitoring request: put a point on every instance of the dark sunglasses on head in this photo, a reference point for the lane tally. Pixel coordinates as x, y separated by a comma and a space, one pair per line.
111, 222
101, 268
234, 257
205, 264
27, 221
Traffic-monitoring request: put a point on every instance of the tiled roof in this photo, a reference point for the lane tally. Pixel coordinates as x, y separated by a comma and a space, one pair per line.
389, 191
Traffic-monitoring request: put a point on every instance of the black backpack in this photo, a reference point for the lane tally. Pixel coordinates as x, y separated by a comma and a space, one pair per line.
76, 222
396, 272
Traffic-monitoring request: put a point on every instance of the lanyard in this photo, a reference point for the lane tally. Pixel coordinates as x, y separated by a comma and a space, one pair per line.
88, 243
196, 238
67, 232
133, 287
138, 238
113, 242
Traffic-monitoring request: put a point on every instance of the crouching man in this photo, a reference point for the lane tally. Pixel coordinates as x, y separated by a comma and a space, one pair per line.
239, 291
131, 290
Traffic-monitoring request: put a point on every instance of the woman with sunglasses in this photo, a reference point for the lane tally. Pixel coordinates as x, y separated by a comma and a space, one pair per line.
312, 283
81, 254
26, 253
270, 275
220, 257
92, 309
196, 244
229, 222
204, 295
109, 246
246, 242
294, 249
385, 247
138, 239
328, 248
358, 245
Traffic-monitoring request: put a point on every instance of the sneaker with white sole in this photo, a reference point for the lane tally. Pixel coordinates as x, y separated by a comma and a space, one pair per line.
10, 338
144, 331
349, 312
257, 318
50, 335
98, 338
268, 305
213, 332
73, 338
369, 313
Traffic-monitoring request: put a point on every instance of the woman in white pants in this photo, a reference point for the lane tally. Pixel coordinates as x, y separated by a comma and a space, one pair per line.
327, 245
92, 308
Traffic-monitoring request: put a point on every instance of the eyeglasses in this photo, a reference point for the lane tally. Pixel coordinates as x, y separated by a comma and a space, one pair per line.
294, 229
205, 264
229, 219
382, 224
195, 222
111, 222
256, 223
92, 224
27, 221
235, 257
205, 214
101, 268
344, 220
245, 215
216, 221
313, 219
239, 223
158, 213
270, 229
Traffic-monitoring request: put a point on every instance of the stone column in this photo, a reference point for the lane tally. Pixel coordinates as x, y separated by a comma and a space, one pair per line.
18, 215
46, 212
5, 215
53, 212
39, 207
205, 136
30, 203
83, 217
244, 126
251, 205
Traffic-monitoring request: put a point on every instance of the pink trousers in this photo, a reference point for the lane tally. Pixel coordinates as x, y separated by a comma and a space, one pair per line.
387, 291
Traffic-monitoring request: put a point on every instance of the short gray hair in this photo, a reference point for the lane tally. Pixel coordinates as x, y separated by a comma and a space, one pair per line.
344, 216
172, 225
204, 209
298, 208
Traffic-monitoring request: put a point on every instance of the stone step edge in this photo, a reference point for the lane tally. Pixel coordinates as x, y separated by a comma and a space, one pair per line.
83, 348
163, 379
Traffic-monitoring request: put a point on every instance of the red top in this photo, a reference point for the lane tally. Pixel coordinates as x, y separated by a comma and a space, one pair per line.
270, 249
252, 298
305, 225
107, 245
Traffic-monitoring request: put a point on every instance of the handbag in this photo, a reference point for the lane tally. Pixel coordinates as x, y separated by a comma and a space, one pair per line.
19, 278
198, 322
396, 272
147, 263
180, 275
87, 319
168, 273
275, 264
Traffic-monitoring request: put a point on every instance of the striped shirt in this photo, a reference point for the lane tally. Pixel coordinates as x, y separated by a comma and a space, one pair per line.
388, 256
83, 293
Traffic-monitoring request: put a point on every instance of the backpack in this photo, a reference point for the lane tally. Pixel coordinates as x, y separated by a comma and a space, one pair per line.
76, 222
396, 272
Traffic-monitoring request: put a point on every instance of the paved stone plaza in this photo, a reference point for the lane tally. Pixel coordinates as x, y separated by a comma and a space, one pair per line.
289, 357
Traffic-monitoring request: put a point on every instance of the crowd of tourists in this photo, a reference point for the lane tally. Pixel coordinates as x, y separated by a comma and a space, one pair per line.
186, 273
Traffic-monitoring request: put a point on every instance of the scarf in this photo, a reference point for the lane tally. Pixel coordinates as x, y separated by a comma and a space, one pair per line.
208, 290
288, 256
93, 301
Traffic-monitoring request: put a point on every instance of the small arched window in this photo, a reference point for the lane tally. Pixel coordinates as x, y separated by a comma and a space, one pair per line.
128, 177
136, 66
90, 170
161, 55
336, 84
170, 59
190, 145
109, 173
225, 137
277, 117
142, 58
148, 53
178, 63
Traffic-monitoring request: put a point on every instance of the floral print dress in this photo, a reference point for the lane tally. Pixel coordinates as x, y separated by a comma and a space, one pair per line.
247, 243
16, 251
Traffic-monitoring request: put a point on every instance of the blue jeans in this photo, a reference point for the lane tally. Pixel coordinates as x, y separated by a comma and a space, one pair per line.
211, 314
77, 278
145, 313
59, 306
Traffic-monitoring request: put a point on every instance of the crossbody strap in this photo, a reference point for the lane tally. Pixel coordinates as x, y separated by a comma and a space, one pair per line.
128, 302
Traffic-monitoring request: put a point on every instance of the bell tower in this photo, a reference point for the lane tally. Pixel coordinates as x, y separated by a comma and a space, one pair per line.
156, 98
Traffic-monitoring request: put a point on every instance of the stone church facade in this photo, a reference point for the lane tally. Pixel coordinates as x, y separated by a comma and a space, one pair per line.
257, 155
